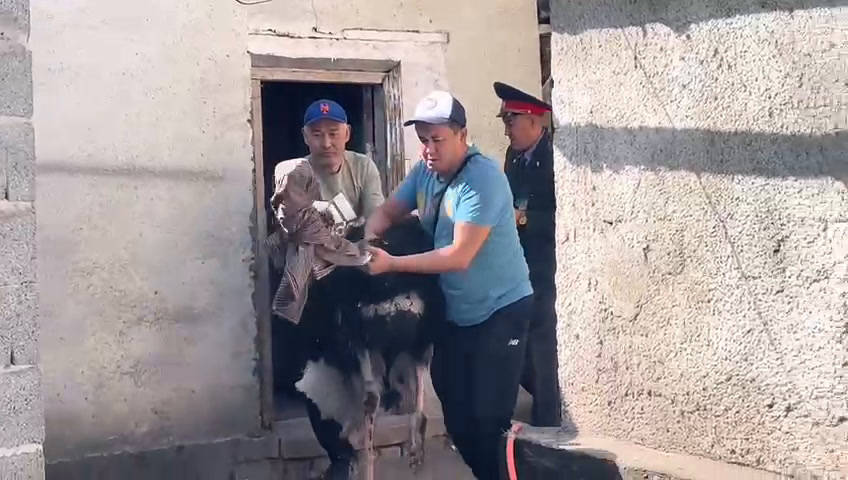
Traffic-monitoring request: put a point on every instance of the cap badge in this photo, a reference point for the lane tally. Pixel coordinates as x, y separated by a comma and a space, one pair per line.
430, 103
325, 108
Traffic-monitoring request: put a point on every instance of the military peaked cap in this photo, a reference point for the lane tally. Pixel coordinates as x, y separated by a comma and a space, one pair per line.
516, 101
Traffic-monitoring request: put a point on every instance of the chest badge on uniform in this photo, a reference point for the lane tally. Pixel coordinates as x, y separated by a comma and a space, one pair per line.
521, 212
522, 218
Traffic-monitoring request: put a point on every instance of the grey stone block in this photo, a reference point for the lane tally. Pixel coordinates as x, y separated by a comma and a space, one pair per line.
21, 407
15, 80
20, 175
262, 470
17, 161
254, 449
17, 243
18, 325
391, 452
15, 13
23, 466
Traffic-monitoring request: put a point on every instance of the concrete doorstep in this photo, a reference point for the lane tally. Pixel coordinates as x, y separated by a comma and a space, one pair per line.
551, 453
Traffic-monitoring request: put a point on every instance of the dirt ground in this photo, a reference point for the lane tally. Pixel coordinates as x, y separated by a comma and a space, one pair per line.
441, 462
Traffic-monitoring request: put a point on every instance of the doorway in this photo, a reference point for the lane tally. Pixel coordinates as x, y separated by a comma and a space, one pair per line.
369, 92
283, 104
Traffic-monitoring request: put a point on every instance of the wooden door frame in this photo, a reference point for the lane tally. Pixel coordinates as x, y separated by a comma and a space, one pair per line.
388, 152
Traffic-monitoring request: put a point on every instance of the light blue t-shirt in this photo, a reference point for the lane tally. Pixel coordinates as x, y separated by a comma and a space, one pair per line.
480, 194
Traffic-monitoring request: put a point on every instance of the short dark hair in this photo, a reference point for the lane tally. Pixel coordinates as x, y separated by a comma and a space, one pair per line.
456, 127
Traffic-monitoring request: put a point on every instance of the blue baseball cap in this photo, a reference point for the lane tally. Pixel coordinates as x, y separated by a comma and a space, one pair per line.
323, 108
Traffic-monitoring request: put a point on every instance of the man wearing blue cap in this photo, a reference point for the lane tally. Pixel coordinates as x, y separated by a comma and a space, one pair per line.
340, 171
355, 177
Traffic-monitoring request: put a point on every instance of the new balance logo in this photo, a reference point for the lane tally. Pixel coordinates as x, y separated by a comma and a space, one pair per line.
513, 342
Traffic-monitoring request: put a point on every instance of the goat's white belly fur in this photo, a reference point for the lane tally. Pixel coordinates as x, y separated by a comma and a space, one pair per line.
337, 398
408, 302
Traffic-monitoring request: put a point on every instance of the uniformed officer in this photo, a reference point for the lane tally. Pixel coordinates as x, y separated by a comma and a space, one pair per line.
529, 168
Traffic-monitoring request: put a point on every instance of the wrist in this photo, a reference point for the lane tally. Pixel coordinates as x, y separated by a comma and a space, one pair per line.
393, 263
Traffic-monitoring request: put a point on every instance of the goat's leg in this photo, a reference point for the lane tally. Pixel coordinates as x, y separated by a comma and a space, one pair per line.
418, 421
372, 386
368, 456
371, 402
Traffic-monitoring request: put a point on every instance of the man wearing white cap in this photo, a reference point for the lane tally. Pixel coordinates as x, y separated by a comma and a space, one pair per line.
464, 199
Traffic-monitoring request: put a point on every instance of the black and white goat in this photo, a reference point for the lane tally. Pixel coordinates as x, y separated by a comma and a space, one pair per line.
369, 345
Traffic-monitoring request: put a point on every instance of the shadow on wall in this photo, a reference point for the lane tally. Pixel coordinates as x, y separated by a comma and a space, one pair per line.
705, 151
576, 17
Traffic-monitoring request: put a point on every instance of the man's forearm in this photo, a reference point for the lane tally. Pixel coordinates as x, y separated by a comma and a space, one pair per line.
458, 256
383, 218
377, 223
442, 260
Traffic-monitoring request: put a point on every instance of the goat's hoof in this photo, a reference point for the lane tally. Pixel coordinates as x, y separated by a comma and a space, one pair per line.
416, 459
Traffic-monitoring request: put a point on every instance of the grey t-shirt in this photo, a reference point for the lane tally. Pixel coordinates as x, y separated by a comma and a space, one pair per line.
358, 179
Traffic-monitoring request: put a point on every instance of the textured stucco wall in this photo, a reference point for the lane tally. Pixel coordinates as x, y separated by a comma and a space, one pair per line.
703, 227
21, 406
145, 181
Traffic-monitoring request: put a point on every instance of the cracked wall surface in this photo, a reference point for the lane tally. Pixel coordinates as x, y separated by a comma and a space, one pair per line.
702, 186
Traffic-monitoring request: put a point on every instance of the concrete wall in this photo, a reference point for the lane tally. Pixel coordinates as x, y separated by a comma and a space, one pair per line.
702, 228
145, 180
21, 407
145, 175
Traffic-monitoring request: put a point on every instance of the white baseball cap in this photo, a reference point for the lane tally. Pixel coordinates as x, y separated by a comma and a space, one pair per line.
437, 108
